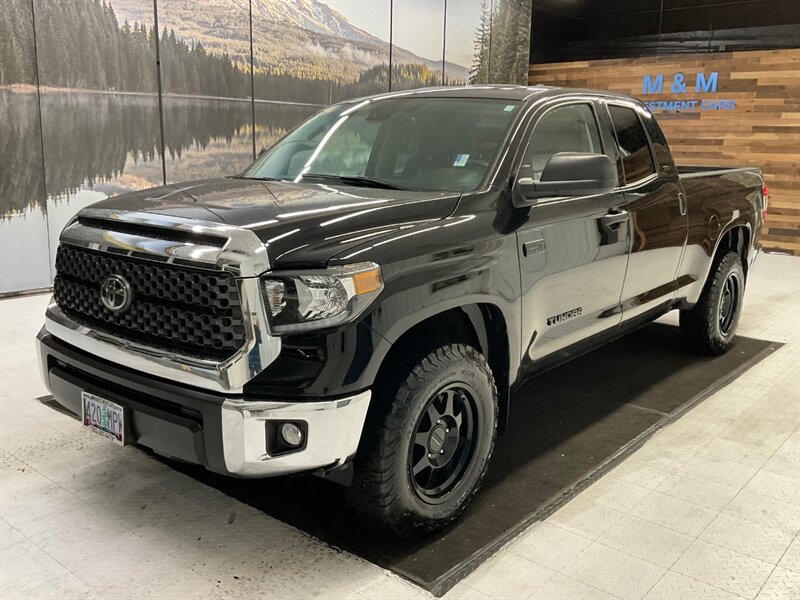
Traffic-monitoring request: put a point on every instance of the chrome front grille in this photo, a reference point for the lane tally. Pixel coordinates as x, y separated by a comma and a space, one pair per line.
177, 308
195, 312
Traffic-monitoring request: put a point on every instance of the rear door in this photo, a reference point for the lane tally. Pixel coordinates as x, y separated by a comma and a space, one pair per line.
573, 250
657, 209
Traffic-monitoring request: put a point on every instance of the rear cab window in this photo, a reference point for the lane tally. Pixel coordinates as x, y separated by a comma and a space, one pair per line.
637, 159
658, 141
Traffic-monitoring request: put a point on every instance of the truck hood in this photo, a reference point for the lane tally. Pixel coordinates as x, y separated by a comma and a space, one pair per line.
303, 225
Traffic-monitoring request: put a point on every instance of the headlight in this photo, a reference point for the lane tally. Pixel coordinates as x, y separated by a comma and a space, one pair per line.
316, 299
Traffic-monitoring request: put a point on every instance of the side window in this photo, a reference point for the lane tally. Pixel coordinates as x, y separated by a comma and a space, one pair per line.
570, 128
660, 146
637, 160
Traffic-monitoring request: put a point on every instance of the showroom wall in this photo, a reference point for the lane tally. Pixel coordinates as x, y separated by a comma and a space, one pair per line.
752, 119
723, 78
87, 110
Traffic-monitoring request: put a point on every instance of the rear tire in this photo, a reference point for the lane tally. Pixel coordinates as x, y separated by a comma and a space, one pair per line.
709, 327
426, 447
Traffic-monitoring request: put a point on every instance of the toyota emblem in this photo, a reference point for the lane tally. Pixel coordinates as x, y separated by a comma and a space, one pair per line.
116, 293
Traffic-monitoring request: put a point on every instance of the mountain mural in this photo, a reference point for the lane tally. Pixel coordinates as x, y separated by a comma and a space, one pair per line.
303, 38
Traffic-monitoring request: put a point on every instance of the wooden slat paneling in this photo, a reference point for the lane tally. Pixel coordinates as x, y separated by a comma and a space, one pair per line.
762, 131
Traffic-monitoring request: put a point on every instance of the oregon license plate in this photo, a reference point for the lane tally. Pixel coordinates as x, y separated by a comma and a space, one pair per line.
104, 417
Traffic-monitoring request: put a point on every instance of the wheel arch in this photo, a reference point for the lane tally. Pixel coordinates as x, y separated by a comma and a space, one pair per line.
478, 324
736, 239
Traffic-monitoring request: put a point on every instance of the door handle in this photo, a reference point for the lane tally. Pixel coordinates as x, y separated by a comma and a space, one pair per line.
614, 218
682, 203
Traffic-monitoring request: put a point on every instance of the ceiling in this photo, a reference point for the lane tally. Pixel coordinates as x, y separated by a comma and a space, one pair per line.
679, 15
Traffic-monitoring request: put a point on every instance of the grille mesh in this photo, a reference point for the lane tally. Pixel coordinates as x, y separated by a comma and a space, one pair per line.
176, 308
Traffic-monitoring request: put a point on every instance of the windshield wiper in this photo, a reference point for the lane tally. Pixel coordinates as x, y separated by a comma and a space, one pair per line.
356, 180
262, 178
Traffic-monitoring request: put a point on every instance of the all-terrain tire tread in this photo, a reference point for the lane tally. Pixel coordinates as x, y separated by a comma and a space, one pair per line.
373, 492
697, 324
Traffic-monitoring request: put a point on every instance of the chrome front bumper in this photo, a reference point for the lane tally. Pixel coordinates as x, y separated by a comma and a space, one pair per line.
229, 435
334, 430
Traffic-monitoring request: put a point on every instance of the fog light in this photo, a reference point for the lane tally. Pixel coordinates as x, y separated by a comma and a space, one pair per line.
291, 434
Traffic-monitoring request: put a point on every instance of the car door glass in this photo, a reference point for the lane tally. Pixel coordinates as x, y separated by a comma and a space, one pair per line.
637, 160
570, 128
659, 142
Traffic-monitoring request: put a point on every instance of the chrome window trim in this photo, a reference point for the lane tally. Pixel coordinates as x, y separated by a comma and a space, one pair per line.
243, 255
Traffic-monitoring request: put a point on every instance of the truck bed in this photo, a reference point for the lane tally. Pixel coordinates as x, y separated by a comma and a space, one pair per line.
689, 171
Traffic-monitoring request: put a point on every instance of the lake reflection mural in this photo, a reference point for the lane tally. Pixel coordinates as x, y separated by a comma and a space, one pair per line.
94, 124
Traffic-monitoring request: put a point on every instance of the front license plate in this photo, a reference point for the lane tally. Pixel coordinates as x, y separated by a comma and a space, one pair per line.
104, 417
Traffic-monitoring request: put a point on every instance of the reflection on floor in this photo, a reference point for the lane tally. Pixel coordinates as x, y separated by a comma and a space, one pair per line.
709, 507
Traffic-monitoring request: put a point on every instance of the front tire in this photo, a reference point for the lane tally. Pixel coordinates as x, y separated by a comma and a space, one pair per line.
426, 448
709, 327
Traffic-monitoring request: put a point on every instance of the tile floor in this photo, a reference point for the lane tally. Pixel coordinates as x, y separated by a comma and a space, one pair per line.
707, 508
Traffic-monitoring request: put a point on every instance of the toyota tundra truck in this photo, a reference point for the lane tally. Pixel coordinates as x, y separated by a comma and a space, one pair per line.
362, 301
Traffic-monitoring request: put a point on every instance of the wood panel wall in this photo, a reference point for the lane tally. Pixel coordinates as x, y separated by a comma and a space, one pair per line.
763, 130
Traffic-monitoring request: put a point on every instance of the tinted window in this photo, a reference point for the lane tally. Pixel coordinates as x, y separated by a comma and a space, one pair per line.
637, 161
444, 144
657, 139
571, 128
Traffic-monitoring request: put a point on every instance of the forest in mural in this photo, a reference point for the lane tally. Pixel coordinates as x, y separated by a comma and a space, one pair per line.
502, 43
82, 44
80, 113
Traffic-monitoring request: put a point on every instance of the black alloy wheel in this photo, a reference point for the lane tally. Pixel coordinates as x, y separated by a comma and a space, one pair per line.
427, 441
444, 442
729, 302
709, 327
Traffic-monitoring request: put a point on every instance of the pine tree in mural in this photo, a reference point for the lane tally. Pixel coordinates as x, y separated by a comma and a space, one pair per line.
479, 73
16, 49
502, 42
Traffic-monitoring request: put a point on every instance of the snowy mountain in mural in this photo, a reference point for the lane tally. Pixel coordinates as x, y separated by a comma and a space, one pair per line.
304, 38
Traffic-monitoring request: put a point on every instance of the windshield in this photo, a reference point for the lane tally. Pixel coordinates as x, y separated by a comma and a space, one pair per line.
439, 144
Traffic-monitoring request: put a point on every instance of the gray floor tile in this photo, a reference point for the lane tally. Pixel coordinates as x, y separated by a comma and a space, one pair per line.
674, 586
679, 515
791, 559
646, 540
731, 571
758, 541
615, 572
782, 584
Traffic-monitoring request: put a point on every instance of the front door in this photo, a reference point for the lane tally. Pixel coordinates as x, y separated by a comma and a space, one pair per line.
573, 250
658, 212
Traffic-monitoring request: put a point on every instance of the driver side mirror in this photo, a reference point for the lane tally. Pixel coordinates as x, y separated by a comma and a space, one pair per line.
262, 152
570, 174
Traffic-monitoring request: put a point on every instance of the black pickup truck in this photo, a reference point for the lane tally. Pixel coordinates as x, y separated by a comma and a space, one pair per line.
361, 302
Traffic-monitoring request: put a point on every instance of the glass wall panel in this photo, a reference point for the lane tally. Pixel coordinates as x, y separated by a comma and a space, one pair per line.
99, 102
24, 260
206, 137
205, 68
509, 41
364, 45
466, 41
417, 43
